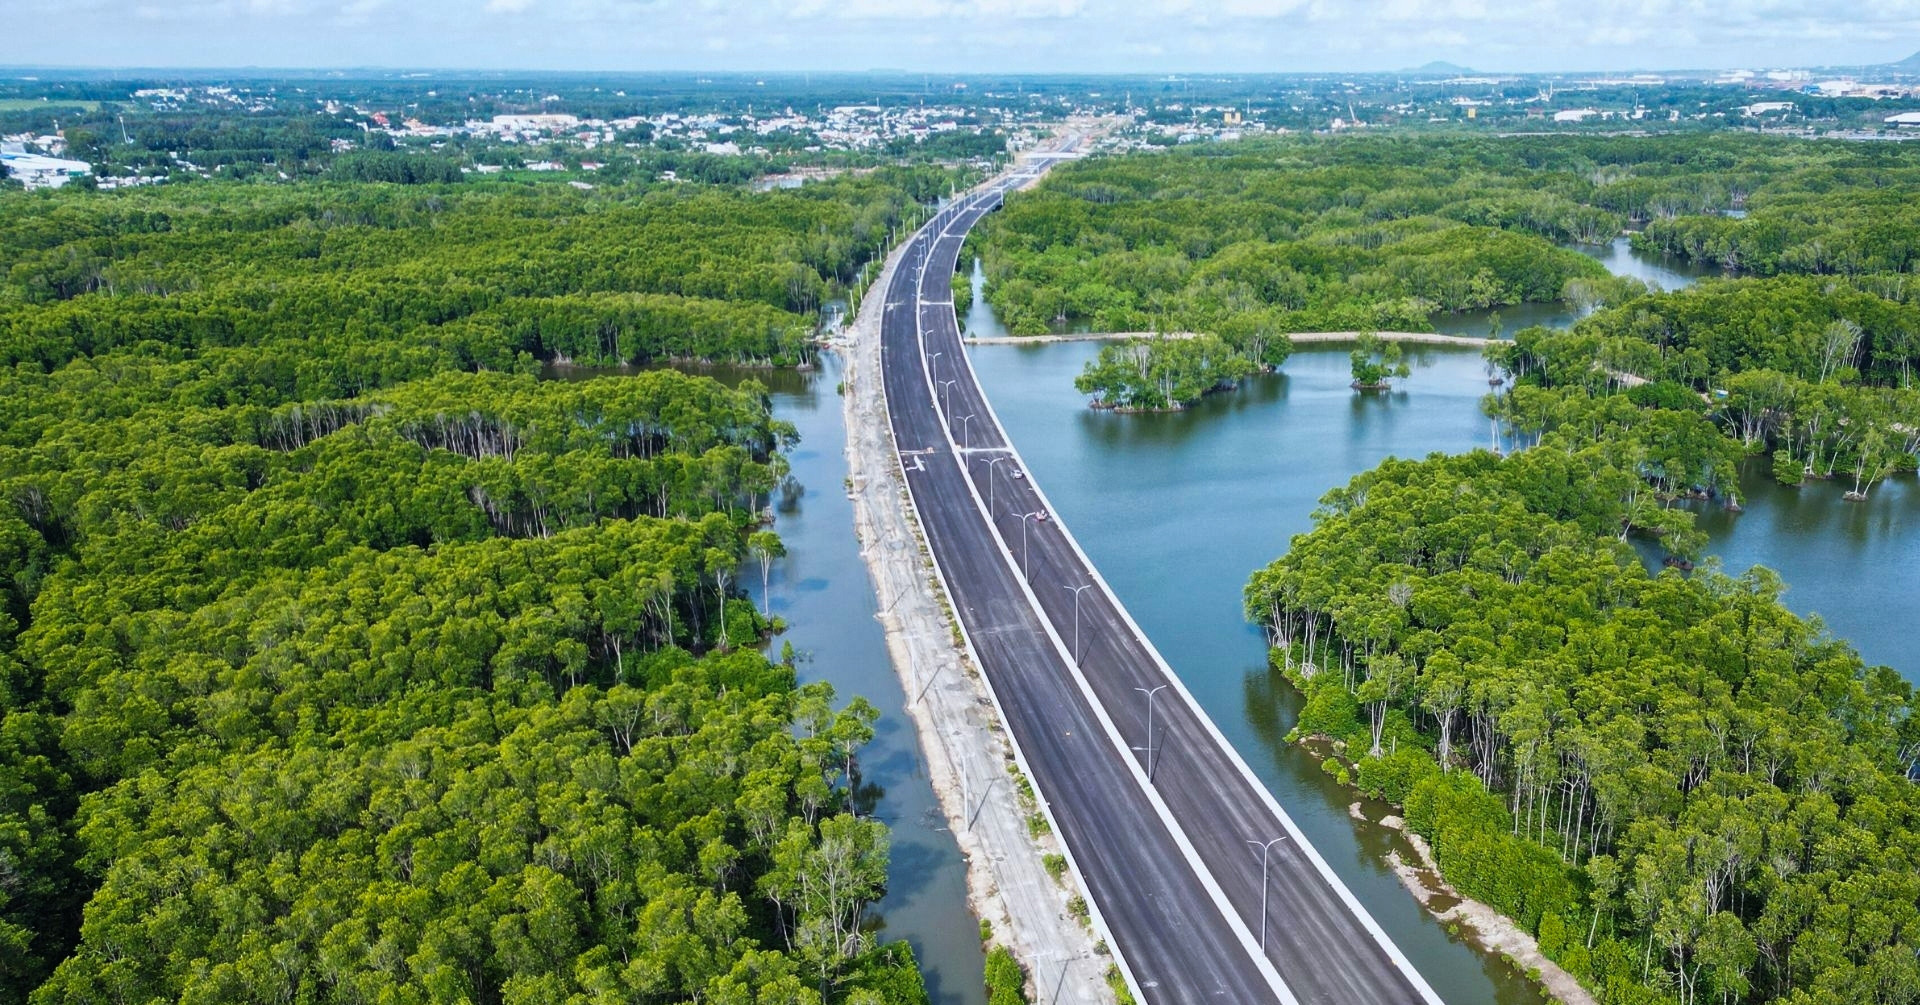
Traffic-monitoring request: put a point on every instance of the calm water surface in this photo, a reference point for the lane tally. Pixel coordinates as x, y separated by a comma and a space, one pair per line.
822, 591
1854, 564
1619, 258
1179, 509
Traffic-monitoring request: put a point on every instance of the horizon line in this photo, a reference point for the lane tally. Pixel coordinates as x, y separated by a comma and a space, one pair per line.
1194, 74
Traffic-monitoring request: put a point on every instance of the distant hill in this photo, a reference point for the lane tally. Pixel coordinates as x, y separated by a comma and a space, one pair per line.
1910, 63
1441, 68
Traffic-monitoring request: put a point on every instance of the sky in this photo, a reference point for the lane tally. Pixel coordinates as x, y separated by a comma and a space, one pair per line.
950, 36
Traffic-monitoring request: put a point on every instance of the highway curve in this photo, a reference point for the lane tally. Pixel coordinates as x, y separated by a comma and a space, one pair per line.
1167, 862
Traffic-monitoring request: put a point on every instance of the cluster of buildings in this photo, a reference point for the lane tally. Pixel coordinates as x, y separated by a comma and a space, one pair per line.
846, 127
174, 99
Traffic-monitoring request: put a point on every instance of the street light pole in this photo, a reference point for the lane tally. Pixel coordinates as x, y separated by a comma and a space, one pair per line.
1264, 848
1076, 591
1024, 517
1150, 694
966, 440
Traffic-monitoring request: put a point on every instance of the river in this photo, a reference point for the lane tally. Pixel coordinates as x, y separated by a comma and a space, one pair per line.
822, 590
1178, 509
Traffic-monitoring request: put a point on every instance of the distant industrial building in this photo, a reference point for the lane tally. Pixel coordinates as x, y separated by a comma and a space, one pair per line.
39, 171
1904, 119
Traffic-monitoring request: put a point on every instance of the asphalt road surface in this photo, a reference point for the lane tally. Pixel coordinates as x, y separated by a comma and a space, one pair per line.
1166, 846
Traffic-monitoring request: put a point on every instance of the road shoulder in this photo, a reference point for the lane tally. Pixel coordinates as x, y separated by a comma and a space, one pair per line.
968, 759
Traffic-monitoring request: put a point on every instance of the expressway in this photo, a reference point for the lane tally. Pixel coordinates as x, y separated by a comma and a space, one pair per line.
1163, 821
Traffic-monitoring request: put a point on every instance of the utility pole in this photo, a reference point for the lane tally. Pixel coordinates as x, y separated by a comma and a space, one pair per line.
1065, 961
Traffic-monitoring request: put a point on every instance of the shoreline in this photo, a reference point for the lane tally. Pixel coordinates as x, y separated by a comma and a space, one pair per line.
1298, 338
967, 757
1490, 932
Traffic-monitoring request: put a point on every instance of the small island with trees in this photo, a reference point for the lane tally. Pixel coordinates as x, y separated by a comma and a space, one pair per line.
1376, 363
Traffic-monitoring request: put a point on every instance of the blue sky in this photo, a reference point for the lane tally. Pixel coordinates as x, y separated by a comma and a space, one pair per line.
950, 36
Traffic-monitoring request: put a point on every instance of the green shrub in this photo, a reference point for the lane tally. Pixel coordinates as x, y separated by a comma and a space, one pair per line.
1787, 470
1393, 776
1006, 982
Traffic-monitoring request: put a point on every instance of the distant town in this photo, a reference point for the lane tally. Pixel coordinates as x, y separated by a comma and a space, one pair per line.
58, 128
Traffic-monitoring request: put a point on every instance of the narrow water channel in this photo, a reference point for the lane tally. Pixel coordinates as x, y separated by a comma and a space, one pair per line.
822, 590
1620, 259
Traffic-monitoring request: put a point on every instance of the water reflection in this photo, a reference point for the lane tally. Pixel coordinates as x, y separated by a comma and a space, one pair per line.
1855, 564
981, 321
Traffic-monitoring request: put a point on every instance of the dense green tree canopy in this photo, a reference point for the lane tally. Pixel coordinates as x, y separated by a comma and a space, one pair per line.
343, 660
1686, 791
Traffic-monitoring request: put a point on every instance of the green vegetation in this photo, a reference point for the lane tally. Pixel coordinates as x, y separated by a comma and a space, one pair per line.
1683, 790
1006, 982
1662, 777
324, 291
37, 104
1815, 371
1246, 242
1819, 208
962, 285
342, 660
1249, 241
